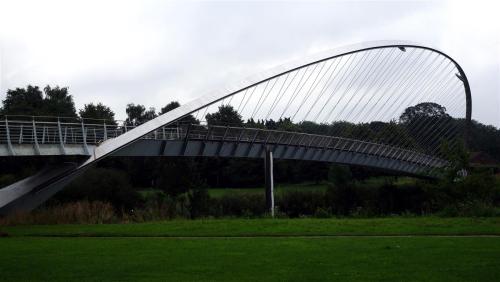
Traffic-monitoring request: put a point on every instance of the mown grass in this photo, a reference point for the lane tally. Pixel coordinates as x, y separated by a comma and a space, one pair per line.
250, 259
273, 227
255, 250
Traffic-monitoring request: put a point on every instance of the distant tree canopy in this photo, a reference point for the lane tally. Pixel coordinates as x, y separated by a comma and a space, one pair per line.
33, 102
137, 114
59, 101
173, 105
99, 112
429, 125
425, 125
170, 106
226, 115
423, 110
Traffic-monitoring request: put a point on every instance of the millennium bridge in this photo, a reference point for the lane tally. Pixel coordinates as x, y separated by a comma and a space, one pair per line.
364, 84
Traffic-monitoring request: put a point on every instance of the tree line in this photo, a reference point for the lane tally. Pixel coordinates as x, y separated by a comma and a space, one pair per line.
178, 176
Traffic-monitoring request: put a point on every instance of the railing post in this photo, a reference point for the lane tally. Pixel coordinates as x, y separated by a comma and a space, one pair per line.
105, 132
84, 139
177, 130
21, 135
9, 143
35, 137
184, 146
61, 142
43, 134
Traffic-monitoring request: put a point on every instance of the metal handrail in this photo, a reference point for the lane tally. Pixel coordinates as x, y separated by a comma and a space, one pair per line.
54, 132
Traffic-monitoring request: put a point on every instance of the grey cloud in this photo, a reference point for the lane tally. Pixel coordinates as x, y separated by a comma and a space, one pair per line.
177, 50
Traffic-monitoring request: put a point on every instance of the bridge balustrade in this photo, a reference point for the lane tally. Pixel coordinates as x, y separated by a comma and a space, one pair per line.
56, 132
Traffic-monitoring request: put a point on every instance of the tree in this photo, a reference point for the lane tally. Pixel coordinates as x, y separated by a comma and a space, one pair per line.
226, 115
423, 110
23, 101
177, 175
98, 111
137, 114
286, 124
428, 124
31, 101
58, 102
190, 119
170, 106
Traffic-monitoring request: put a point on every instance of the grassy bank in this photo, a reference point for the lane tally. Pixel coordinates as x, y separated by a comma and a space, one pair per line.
255, 250
273, 227
250, 259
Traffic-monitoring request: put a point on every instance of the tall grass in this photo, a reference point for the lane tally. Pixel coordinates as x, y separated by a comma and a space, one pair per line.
83, 212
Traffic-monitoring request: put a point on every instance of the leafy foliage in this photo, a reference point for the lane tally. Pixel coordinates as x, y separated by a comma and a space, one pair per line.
98, 112
413, 113
189, 119
226, 115
137, 114
32, 102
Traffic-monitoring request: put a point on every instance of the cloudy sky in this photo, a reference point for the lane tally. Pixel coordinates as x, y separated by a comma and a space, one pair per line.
152, 52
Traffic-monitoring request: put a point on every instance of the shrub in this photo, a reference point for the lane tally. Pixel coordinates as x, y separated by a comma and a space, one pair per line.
323, 212
472, 208
199, 203
300, 203
82, 212
247, 205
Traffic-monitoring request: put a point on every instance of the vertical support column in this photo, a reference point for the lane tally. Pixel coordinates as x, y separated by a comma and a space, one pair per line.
269, 177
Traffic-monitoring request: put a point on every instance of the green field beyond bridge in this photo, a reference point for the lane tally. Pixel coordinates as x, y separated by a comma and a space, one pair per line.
386, 249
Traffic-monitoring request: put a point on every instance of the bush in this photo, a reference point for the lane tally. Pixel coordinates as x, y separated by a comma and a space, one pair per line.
300, 203
472, 208
199, 203
323, 212
247, 205
83, 212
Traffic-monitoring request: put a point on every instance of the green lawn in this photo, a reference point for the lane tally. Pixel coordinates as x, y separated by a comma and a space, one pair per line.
273, 227
250, 250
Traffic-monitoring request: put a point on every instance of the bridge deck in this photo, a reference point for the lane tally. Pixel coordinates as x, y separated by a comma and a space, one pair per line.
24, 138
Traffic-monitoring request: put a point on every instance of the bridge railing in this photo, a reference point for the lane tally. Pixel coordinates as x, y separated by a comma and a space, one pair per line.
39, 132
57, 132
297, 139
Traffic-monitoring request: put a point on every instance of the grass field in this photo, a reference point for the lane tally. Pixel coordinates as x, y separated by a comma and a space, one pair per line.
257, 250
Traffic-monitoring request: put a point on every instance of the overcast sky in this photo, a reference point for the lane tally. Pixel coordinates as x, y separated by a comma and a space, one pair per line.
153, 52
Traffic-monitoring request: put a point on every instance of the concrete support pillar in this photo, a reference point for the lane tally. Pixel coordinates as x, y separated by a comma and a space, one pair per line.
268, 165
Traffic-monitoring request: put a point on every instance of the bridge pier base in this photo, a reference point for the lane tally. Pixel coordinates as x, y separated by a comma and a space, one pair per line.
269, 178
